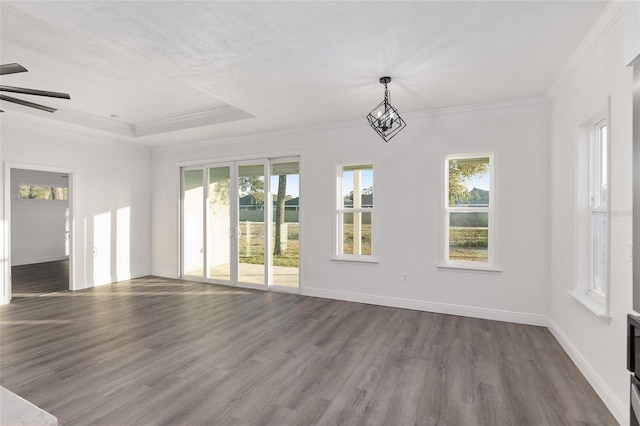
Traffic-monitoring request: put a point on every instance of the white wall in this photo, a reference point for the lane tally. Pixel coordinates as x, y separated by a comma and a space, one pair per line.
409, 178
111, 193
597, 348
38, 227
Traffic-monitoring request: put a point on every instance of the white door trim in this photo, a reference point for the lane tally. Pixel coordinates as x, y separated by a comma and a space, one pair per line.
8, 166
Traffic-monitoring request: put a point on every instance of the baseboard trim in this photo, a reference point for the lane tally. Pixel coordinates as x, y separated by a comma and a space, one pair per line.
108, 279
130, 275
617, 408
34, 260
436, 307
165, 273
133, 274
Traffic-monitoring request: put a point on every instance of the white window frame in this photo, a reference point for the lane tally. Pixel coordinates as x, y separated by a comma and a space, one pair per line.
339, 254
587, 166
595, 206
490, 265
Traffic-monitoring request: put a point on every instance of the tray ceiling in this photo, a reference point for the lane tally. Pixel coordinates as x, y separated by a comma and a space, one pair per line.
170, 72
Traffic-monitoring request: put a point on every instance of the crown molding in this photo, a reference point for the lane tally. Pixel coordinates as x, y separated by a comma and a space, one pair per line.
77, 118
510, 103
359, 123
203, 118
607, 20
91, 121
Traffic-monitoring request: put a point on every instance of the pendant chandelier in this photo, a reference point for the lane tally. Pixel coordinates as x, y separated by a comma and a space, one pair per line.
384, 118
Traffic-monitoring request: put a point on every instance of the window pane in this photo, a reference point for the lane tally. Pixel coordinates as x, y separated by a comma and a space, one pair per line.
34, 192
365, 237
347, 188
469, 182
285, 230
469, 236
218, 247
601, 168
289, 168
356, 234
357, 180
599, 248
193, 215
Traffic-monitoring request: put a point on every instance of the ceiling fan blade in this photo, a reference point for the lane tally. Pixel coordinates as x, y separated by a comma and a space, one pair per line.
27, 103
11, 69
34, 92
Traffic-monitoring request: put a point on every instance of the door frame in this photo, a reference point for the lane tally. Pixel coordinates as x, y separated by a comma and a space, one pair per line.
8, 166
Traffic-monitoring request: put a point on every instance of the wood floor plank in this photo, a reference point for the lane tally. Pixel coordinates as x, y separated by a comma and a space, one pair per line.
155, 351
37, 279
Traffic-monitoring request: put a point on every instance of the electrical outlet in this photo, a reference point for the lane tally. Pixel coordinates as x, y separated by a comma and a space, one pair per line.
405, 278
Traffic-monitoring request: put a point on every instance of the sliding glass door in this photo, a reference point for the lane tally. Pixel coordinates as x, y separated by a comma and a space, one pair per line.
192, 223
219, 224
285, 223
225, 209
251, 220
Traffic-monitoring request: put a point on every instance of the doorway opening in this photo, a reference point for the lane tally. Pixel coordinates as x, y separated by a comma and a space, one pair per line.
38, 208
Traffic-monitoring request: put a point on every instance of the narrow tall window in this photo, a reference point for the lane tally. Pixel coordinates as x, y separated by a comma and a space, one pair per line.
468, 210
599, 206
355, 210
593, 189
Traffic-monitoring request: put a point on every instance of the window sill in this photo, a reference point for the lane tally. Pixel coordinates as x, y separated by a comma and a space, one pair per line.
595, 307
356, 259
471, 268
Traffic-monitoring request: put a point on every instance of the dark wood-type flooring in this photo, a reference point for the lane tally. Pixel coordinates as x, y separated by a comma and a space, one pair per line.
158, 351
40, 278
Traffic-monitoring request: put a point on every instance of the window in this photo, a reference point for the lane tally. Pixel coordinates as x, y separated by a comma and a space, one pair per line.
592, 216
468, 211
355, 211
41, 192
599, 210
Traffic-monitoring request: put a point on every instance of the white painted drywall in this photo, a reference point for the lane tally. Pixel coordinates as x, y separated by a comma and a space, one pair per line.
38, 227
112, 193
597, 348
409, 174
631, 32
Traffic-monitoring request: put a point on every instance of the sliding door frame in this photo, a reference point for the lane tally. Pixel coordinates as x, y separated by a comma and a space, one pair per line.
234, 163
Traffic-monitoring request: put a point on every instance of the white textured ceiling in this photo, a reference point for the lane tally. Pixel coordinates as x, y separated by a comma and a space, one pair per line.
279, 65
